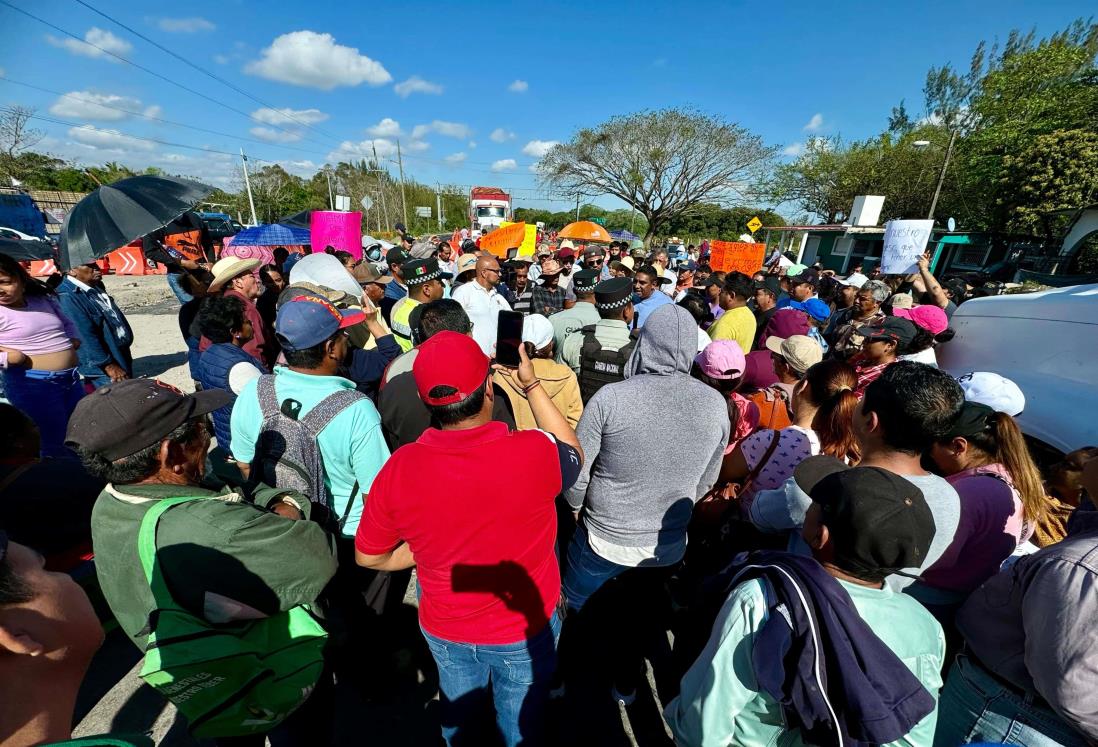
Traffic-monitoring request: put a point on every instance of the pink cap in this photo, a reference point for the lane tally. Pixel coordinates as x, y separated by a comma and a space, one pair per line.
931, 318
722, 359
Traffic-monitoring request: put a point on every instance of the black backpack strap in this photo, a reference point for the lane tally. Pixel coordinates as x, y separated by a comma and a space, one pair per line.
350, 503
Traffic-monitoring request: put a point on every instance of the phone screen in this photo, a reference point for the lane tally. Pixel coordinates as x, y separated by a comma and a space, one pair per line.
508, 338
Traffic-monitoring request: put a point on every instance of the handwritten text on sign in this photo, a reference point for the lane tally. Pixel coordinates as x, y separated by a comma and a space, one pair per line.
904, 242
499, 241
735, 256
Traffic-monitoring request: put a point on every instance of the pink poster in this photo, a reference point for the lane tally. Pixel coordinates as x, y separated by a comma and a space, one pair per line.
336, 229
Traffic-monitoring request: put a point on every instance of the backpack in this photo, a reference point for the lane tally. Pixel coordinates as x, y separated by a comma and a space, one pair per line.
599, 366
227, 680
287, 452
773, 404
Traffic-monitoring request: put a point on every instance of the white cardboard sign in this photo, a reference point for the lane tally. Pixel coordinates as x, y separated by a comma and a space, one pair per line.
904, 242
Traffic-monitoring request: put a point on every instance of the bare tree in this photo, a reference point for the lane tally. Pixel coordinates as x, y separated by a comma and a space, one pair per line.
665, 163
16, 136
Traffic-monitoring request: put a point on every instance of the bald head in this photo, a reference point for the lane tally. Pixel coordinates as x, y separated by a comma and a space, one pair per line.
488, 274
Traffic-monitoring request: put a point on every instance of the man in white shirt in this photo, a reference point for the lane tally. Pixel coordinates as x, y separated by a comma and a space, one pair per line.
482, 302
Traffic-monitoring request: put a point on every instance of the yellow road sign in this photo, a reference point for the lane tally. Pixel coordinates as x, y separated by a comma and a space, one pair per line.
754, 224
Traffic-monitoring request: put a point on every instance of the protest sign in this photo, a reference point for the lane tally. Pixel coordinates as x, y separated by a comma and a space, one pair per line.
904, 242
529, 241
736, 256
507, 237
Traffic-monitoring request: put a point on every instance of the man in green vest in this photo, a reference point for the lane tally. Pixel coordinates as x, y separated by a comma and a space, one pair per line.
597, 352
583, 313
424, 280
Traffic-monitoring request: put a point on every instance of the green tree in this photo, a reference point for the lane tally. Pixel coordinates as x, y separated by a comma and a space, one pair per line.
665, 163
1055, 172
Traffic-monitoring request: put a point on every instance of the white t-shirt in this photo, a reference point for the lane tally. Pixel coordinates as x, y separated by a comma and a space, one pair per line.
927, 356
483, 307
240, 374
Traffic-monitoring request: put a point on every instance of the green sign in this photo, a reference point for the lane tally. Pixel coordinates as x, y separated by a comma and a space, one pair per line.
600, 221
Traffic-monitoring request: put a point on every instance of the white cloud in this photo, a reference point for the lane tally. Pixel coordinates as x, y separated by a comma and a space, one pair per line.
794, 149
416, 84
185, 25
815, 123
455, 158
504, 164
449, 129
534, 168
352, 151
153, 111
91, 105
287, 116
538, 148
415, 146
306, 58
518, 86
275, 136
93, 137
388, 127
500, 135
472, 144
97, 43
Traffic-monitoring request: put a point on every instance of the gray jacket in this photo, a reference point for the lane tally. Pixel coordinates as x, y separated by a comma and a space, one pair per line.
1033, 625
653, 443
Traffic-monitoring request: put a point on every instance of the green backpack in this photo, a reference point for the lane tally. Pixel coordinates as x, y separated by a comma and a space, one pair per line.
227, 680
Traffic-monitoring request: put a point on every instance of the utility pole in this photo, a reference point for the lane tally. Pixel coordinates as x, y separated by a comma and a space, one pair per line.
438, 203
331, 203
577, 206
380, 190
248, 186
942, 176
403, 197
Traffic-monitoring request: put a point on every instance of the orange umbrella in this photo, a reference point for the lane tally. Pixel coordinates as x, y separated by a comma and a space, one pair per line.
585, 230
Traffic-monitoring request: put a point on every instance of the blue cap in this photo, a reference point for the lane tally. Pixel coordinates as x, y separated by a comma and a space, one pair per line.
688, 266
306, 321
814, 307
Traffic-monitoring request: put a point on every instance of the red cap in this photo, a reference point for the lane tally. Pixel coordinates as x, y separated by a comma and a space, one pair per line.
449, 359
566, 253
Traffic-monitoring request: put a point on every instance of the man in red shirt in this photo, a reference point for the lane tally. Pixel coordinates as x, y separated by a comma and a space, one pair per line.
483, 548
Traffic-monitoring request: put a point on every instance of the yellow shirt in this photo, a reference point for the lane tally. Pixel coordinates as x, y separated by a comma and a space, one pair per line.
735, 324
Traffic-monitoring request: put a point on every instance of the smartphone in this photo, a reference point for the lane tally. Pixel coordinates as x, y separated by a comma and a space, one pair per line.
508, 338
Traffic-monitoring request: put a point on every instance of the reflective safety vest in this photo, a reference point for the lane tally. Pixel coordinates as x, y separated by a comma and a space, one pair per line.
401, 322
599, 366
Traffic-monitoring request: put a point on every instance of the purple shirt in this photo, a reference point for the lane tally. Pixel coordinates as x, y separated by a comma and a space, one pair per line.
39, 327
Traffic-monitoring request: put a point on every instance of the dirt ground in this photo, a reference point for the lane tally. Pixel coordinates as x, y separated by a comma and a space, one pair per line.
158, 348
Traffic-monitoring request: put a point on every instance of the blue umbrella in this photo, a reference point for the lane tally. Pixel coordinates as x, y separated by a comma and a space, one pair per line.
272, 234
624, 235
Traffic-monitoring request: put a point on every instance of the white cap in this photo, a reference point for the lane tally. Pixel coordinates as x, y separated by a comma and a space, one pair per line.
538, 330
997, 392
855, 279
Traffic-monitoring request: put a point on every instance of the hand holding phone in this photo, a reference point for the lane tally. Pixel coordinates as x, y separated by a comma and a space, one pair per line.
508, 338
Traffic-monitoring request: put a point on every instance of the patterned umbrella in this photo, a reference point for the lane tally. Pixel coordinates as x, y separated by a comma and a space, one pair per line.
273, 234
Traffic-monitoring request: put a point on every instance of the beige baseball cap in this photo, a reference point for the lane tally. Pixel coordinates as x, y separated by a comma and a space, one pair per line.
800, 352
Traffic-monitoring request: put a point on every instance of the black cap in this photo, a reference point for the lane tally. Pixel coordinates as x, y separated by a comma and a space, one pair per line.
902, 331
973, 419
585, 281
710, 281
653, 272
879, 523
771, 283
615, 293
807, 275
121, 419
420, 271
396, 256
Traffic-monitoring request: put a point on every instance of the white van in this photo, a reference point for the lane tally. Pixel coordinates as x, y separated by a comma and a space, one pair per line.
1045, 342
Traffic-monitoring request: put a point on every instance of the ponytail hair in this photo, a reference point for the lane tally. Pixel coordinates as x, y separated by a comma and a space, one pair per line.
1003, 442
726, 387
830, 385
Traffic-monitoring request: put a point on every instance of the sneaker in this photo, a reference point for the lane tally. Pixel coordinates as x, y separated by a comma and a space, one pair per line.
623, 699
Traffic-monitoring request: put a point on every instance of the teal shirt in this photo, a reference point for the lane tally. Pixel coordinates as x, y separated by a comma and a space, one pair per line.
352, 445
720, 703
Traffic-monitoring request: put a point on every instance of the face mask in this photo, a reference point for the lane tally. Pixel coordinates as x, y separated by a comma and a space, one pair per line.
374, 254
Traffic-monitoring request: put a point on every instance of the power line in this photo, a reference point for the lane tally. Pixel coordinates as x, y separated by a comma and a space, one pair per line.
140, 67
149, 117
202, 70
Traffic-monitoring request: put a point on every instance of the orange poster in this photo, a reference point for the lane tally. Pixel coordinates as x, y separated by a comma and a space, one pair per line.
735, 256
186, 244
499, 241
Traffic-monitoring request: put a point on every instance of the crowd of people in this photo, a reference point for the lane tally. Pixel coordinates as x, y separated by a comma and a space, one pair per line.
847, 544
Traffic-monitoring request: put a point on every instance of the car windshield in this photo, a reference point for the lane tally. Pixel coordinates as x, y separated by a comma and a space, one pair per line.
490, 212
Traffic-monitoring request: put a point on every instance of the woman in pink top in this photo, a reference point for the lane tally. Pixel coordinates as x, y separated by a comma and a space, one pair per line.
38, 355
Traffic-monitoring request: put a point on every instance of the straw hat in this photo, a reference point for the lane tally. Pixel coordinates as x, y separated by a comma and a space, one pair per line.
227, 268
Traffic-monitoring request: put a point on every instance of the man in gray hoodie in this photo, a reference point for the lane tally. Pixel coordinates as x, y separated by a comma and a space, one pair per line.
654, 442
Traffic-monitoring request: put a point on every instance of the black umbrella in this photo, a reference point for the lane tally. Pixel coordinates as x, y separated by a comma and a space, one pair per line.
297, 220
26, 250
114, 215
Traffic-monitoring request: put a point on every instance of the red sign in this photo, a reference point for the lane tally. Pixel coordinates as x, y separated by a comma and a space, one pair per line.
499, 241
735, 256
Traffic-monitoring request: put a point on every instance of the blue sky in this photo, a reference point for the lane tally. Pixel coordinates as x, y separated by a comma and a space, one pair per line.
474, 92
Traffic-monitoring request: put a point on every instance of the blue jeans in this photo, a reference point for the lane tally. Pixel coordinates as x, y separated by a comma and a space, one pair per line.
519, 675
48, 398
585, 571
976, 707
176, 285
